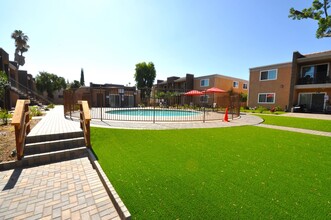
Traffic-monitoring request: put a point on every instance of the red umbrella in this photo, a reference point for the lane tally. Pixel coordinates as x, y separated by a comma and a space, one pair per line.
194, 93
215, 90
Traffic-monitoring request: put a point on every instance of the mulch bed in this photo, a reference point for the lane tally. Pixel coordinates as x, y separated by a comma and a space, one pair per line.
7, 141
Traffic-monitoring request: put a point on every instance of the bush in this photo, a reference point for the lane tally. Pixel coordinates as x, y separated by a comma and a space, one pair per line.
35, 111
278, 109
50, 106
4, 115
261, 109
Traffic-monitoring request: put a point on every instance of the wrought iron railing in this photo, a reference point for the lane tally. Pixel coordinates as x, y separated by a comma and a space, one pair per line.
161, 109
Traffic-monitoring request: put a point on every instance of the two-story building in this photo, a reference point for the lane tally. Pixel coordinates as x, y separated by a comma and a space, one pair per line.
180, 85
302, 84
108, 95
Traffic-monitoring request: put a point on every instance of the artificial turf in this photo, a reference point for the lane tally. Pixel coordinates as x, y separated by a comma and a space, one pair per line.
225, 173
305, 123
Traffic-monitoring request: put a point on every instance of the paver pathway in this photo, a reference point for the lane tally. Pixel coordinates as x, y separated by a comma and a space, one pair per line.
64, 190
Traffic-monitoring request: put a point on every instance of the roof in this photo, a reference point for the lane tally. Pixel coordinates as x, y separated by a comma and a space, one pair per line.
314, 56
318, 54
183, 79
271, 66
220, 76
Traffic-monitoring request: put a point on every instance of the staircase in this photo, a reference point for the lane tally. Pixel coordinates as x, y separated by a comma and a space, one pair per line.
50, 148
27, 93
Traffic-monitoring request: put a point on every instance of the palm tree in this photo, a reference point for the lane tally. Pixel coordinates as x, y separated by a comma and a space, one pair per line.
21, 45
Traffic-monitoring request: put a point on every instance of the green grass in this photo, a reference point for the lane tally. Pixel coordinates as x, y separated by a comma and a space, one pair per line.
305, 123
225, 173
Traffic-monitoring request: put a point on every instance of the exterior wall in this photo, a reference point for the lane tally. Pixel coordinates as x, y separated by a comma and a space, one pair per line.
222, 82
280, 86
98, 97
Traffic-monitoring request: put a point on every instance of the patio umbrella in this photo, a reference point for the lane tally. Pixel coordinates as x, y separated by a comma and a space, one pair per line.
214, 90
193, 93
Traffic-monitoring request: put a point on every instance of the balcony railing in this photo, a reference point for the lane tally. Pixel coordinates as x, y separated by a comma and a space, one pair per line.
310, 80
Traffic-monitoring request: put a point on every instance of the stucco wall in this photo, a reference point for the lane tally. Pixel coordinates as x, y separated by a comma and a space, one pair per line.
280, 86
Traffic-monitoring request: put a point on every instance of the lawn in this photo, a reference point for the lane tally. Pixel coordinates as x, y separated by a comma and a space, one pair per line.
229, 173
305, 123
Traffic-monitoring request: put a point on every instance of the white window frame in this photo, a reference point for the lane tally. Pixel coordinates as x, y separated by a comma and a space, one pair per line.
246, 86
235, 82
266, 93
204, 80
268, 74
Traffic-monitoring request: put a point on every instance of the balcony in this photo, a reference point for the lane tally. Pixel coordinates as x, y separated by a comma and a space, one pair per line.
311, 80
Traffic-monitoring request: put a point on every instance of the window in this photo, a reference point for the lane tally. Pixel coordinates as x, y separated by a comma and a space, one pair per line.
204, 82
204, 98
235, 84
268, 75
266, 98
314, 73
245, 86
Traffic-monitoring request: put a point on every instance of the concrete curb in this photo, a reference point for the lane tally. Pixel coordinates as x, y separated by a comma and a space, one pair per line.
119, 205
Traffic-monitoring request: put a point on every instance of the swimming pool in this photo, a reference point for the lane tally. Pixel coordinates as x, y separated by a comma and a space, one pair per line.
154, 112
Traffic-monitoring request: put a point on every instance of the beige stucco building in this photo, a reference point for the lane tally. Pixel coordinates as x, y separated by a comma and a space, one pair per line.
302, 84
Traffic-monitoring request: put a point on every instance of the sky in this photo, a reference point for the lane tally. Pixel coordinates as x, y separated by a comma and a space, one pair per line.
107, 38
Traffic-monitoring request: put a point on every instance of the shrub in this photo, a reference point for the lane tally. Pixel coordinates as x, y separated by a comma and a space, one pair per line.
261, 109
50, 106
35, 111
4, 115
278, 109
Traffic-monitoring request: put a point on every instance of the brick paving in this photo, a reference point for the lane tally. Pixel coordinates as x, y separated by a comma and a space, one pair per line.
63, 190
70, 189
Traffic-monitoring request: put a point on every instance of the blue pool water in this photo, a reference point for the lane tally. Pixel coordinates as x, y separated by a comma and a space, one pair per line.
150, 112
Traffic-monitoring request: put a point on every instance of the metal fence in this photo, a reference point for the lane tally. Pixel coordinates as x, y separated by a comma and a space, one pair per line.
162, 106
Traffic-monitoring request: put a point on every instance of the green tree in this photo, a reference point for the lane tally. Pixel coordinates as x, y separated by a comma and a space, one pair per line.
319, 12
21, 44
144, 76
74, 85
50, 83
82, 80
3, 84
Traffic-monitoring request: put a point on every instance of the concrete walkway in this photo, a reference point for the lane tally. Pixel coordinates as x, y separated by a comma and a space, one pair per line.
241, 121
305, 131
70, 189
55, 123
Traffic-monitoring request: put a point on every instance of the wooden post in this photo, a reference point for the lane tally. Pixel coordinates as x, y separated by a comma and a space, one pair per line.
21, 121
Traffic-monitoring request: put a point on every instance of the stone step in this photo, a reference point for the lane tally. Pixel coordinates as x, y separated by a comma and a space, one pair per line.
54, 145
54, 156
52, 137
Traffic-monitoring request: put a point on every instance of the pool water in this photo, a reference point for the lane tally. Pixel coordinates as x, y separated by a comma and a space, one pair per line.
150, 112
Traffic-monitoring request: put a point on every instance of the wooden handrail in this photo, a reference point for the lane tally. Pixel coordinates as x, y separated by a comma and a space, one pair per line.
85, 119
21, 121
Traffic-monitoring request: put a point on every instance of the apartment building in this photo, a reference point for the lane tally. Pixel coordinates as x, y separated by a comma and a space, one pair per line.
189, 82
303, 84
